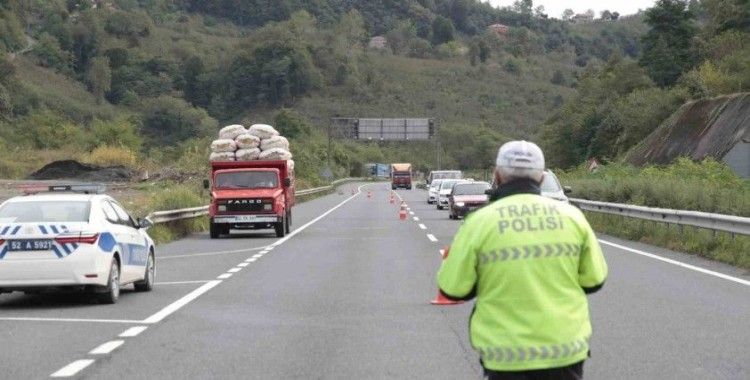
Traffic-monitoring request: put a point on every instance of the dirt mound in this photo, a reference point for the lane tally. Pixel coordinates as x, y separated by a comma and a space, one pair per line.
70, 169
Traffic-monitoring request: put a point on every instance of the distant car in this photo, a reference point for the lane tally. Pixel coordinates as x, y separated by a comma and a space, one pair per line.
73, 237
432, 191
467, 197
552, 188
444, 192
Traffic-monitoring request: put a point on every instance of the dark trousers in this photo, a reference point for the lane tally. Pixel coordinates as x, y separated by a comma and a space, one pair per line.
571, 372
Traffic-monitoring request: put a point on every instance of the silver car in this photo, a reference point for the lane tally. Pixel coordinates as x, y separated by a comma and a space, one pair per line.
432, 191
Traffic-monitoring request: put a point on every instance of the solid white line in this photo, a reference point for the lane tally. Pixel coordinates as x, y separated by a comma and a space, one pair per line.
107, 348
234, 270
133, 332
242, 265
310, 223
73, 368
224, 276
244, 250
250, 260
177, 305
422, 226
182, 282
24, 319
432, 238
678, 263
416, 219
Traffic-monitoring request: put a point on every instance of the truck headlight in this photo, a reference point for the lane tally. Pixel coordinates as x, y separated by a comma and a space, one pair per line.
267, 207
460, 204
222, 208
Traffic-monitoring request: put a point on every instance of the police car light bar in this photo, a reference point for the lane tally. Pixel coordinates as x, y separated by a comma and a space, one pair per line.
76, 188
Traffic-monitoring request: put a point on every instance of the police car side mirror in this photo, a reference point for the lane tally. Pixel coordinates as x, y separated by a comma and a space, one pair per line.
145, 223
567, 189
206, 184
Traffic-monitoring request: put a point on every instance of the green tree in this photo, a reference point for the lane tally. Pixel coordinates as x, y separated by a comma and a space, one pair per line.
118, 132
50, 54
667, 47
484, 51
99, 77
167, 120
442, 30
290, 124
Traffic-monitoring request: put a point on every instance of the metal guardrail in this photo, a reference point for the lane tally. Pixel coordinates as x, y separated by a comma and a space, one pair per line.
187, 213
716, 222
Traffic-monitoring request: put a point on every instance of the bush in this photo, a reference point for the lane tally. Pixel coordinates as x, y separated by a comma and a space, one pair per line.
167, 120
120, 132
175, 198
112, 156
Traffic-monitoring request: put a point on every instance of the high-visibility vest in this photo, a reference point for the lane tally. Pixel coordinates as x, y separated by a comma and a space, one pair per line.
529, 259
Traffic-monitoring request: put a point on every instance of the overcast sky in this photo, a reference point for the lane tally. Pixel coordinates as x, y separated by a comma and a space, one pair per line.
554, 8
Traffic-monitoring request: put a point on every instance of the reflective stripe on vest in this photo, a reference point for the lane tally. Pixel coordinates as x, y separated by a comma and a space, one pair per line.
521, 354
530, 252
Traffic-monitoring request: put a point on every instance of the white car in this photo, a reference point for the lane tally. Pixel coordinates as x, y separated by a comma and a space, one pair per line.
432, 191
73, 237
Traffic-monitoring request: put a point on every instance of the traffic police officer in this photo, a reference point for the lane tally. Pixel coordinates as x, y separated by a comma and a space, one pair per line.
530, 261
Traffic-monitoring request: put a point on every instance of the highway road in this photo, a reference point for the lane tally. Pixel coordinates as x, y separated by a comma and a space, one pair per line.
346, 296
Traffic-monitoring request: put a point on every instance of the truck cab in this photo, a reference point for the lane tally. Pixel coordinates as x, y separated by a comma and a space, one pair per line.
250, 195
401, 176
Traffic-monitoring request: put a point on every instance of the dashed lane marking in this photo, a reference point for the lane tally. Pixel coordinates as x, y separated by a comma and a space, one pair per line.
73, 368
224, 276
177, 305
259, 255
242, 265
133, 332
107, 348
244, 250
422, 226
234, 270
411, 212
250, 260
432, 238
416, 219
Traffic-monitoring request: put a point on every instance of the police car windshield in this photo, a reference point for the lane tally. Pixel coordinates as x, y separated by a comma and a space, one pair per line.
45, 211
550, 184
247, 180
471, 189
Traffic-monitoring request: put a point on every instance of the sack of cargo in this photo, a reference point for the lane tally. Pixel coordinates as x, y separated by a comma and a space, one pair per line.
223, 145
290, 165
247, 141
276, 154
247, 154
263, 131
222, 157
275, 142
231, 132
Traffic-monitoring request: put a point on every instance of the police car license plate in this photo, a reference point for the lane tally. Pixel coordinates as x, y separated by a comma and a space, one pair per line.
29, 245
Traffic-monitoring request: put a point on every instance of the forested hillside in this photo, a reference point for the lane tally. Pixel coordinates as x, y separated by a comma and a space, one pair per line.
144, 83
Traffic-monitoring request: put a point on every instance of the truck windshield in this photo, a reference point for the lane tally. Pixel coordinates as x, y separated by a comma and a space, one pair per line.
247, 180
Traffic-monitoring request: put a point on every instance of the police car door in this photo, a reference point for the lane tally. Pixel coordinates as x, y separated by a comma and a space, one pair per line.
134, 246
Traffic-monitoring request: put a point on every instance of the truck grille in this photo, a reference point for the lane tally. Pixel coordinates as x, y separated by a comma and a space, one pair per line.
244, 205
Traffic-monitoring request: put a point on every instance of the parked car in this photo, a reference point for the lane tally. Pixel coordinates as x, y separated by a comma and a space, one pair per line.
467, 197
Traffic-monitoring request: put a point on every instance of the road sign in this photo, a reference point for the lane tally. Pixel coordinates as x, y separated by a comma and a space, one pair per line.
368, 129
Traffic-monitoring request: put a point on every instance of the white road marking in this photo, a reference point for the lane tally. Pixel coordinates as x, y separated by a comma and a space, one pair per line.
133, 331
224, 276
182, 282
234, 270
321, 216
242, 265
258, 256
422, 226
416, 219
432, 238
250, 260
244, 250
678, 263
107, 348
24, 319
73, 368
177, 305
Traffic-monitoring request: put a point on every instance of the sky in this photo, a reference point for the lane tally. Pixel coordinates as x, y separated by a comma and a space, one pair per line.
555, 8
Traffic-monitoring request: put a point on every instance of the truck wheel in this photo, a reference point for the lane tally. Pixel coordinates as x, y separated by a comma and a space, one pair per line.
215, 230
288, 222
279, 227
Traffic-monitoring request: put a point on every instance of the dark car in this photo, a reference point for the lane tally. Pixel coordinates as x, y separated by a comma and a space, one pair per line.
467, 197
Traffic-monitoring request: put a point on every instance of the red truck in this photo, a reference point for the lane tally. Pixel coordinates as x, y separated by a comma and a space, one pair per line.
251, 195
400, 176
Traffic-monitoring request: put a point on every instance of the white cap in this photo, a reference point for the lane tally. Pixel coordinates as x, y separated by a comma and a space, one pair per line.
520, 155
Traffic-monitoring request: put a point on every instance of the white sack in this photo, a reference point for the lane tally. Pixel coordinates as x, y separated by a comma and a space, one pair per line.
290, 165
231, 132
276, 154
247, 141
247, 154
223, 145
275, 142
263, 131
222, 157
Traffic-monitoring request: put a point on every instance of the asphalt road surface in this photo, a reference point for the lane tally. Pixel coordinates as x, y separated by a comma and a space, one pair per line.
346, 296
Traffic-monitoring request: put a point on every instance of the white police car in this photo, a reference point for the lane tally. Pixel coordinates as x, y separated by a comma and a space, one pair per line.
73, 236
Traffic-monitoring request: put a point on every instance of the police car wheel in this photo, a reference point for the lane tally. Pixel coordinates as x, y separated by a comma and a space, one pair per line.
112, 291
148, 280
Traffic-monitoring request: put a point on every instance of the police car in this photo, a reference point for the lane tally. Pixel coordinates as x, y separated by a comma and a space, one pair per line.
73, 236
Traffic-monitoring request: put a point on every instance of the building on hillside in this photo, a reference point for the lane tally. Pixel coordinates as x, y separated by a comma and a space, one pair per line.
582, 18
717, 128
378, 43
500, 29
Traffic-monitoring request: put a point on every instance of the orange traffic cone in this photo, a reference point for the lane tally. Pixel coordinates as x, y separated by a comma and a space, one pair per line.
402, 211
393, 200
441, 299
369, 194
353, 192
